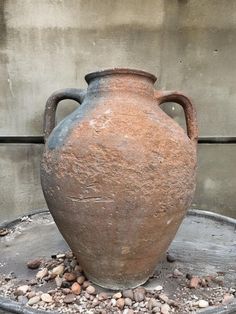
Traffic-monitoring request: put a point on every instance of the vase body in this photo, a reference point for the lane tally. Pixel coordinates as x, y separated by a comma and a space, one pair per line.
118, 175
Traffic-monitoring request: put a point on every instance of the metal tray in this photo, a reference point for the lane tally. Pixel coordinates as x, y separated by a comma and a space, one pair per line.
205, 243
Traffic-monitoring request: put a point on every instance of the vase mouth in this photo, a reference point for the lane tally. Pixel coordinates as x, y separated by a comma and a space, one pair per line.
92, 75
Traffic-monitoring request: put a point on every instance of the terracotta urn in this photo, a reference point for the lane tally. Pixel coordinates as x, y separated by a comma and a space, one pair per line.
118, 174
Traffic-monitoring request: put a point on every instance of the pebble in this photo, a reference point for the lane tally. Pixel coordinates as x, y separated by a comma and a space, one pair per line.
90, 290
158, 288
163, 297
128, 302
42, 273
139, 294
66, 291
95, 302
69, 276
45, 297
58, 281
31, 294
69, 298
22, 290
78, 269
61, 255
34, 264
113, 302
128, 294
228, 298
120, 303
86, 284
194, 282
81, 280
203, 304
177, 273
34, 300
156, 310
170, 258
153, 303
128, 311
3, 232
76, 288
58, 270
102, 296
165, 309
117, 295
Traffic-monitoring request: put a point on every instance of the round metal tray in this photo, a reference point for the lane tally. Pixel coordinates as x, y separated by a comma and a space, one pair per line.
205, 244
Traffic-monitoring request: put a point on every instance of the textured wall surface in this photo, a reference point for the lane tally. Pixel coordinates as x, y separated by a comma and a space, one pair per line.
50, 44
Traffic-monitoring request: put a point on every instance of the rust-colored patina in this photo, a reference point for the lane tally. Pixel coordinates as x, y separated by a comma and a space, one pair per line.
118, 174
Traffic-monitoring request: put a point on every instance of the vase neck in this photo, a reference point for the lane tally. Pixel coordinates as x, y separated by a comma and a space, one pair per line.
121, 81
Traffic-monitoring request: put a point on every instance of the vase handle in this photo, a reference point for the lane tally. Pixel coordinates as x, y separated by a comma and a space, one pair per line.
188, 107
51, 106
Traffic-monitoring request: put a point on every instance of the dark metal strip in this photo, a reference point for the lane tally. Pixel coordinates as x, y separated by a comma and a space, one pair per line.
22, 139
40, 140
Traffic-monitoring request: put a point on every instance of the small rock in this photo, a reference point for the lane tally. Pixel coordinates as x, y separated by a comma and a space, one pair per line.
78, 269
61, 255
3, 232
139, 294
66, 284
153, 303
69, 298
156, 310
128, 294
102, 296
177, 273
86, 284
66, 291
34, 300
69, 276
42, 273
58, 270
95, 302
117, 295
189, 276
165, 309
76, 288
128, 302
22, 299
31, 294
128, 311
120, 303
228, 298
194, 282
69, 254
80, 280
163, 297
45, 297
219, 280
34, 264
158, 288
203, 304
58, 281
113, 302
170, 258
90, 290
22, 290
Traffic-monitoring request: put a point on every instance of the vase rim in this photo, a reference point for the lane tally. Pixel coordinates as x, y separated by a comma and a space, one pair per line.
92, 75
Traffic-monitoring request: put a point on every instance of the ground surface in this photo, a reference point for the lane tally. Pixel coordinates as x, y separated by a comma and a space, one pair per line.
204, 254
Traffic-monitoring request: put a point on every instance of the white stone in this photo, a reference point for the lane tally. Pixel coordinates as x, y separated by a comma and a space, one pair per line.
203, 304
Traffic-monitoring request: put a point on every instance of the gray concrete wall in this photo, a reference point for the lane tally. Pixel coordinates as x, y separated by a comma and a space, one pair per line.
50, 44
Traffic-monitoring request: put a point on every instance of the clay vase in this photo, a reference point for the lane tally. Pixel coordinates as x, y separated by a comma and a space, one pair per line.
118, 174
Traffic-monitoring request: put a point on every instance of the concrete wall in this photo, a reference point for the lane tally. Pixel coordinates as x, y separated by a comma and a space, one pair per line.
50, 44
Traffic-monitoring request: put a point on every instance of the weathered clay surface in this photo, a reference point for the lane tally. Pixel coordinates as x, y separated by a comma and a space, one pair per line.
118, 175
